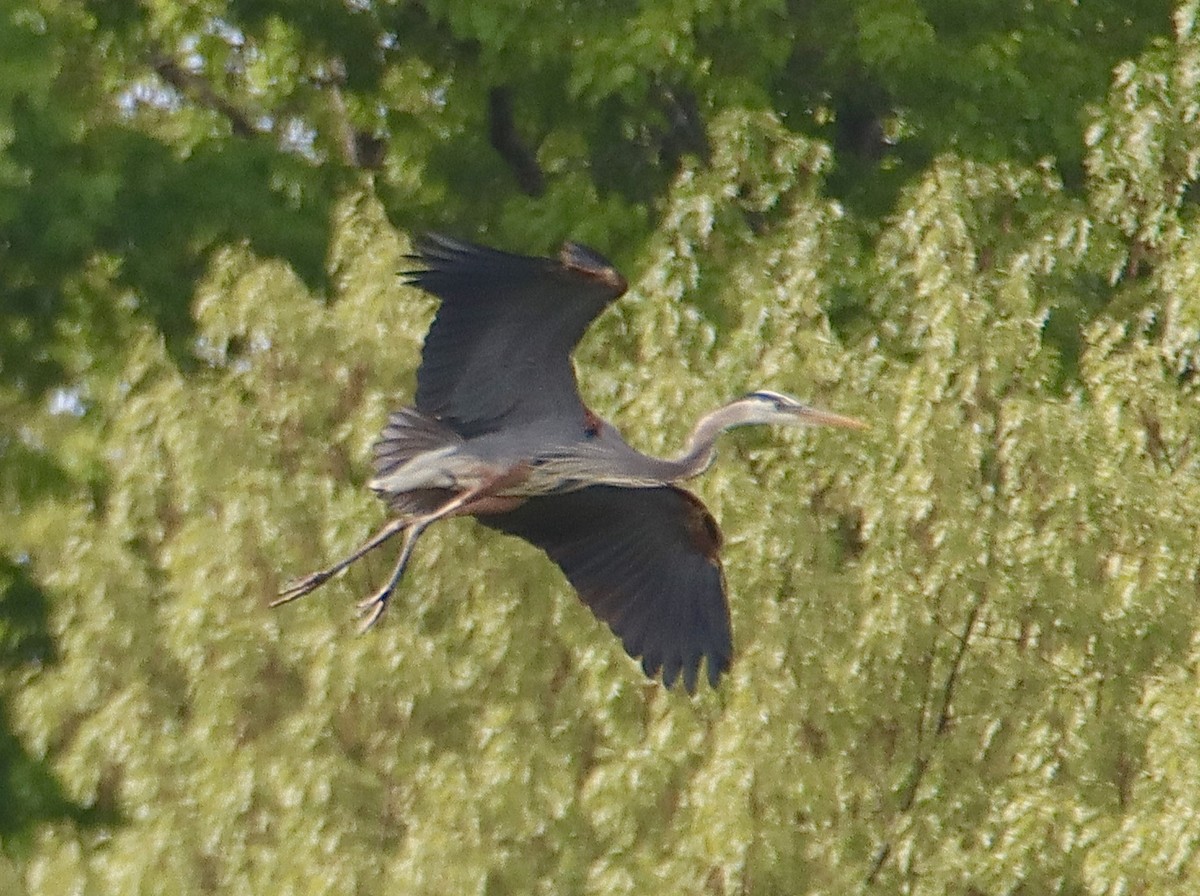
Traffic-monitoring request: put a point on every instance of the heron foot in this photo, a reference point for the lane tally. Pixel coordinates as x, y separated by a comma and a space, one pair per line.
373, 607
297, 588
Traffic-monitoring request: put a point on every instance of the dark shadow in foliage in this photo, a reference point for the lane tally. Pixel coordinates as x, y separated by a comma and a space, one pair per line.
975, 84
24, 639
159, 214
32, 794
637, 149
223, 193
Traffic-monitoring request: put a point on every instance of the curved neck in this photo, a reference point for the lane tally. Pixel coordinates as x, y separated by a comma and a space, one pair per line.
611, 460
700, 450
701, 446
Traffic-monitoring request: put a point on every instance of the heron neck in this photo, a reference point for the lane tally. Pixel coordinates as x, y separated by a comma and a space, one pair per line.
697, 456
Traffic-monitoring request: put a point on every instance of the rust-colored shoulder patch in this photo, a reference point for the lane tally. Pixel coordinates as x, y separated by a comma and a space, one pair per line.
702, 528
591, 423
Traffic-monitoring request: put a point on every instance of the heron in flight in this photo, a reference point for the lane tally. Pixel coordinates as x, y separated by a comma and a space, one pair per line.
499, 432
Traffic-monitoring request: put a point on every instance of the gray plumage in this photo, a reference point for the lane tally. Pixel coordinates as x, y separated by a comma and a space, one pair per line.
499, 432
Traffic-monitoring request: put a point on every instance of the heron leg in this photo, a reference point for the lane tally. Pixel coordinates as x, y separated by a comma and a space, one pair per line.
373, 607
307, 584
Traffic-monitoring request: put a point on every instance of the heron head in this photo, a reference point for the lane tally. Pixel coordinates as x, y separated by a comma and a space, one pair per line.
765, 406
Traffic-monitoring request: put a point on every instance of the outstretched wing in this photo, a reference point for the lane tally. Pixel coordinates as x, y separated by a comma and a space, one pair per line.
499, 351
646, 561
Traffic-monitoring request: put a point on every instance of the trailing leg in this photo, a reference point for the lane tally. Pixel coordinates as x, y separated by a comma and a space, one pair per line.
374, 606
307, 584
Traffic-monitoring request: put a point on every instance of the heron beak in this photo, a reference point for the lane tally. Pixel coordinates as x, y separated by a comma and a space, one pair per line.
818, 417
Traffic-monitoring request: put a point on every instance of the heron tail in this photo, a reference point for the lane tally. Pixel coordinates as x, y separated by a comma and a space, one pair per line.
407, 435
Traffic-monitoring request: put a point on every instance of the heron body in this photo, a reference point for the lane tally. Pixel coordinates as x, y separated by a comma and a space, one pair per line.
498, 431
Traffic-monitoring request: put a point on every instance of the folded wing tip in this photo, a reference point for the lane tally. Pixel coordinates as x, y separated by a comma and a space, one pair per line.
591, 264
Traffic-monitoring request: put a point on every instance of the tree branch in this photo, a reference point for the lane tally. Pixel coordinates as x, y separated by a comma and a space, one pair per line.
945, 716
502, 131
359, 148
196, 88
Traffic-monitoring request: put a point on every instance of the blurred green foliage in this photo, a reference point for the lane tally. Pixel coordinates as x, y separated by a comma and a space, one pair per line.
966, 641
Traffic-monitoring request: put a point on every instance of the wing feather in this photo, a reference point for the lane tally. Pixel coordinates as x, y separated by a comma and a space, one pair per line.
498, 352
646, 562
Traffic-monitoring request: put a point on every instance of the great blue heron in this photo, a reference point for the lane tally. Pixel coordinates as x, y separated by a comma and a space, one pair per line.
499, 432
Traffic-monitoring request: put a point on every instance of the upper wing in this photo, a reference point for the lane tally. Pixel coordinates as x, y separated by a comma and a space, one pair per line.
646, 561
499, 351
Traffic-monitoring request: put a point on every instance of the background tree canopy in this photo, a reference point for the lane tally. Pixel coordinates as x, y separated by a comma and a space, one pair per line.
967, 642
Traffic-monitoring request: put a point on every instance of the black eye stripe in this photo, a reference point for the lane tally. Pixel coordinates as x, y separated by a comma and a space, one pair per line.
763, 395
